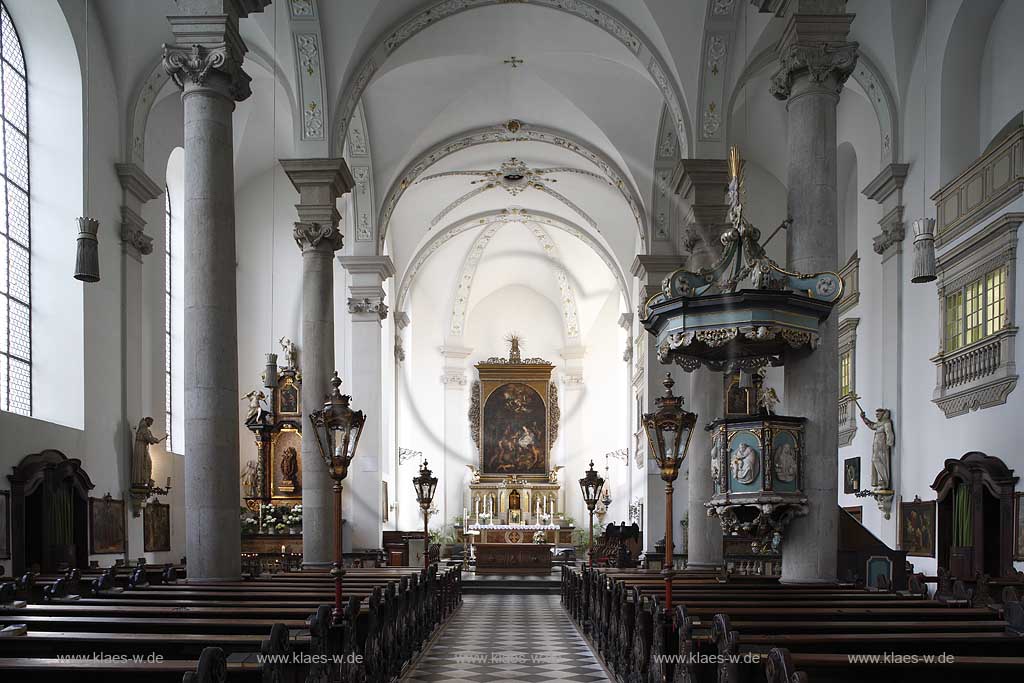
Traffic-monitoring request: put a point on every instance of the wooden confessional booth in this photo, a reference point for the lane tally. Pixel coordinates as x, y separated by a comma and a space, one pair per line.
49, 512
975, 516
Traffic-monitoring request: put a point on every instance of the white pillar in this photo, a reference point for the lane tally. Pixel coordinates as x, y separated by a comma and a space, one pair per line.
320, 182
206, 63
450, 463
650, 270
368, 310
810, 79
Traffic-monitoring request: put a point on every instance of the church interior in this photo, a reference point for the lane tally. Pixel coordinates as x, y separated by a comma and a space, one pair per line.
511, 340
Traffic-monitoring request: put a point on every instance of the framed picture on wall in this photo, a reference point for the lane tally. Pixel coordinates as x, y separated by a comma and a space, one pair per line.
917, 527
5, 525
851, 475
106, 526
156, 522
1018, 527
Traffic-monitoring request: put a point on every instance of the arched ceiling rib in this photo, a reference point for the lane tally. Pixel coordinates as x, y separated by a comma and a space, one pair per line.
592, 11
467, 275
512, 131
498, 218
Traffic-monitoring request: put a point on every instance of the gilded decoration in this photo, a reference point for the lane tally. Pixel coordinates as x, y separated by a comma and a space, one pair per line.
514, 416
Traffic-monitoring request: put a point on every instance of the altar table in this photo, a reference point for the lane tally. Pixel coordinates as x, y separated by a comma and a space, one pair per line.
513, 558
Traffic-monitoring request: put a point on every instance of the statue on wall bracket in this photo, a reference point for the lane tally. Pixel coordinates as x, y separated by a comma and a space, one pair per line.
882, 443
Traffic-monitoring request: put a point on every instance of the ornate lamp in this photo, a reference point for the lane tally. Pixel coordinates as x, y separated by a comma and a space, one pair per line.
425, 486
669, 429
591, 486
337, 428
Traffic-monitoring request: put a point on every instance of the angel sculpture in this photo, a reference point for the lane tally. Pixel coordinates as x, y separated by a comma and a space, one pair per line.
767, 399
474, 473
291, 354
553, 474
256, 410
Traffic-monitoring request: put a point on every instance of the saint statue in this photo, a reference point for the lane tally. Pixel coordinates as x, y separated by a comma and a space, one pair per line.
785, 463
142, 463
881, 447
291, 354
744, 464
290, 465
250, 480
256, 410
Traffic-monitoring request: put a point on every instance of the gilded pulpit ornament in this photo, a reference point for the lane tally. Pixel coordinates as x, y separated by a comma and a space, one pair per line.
743, 312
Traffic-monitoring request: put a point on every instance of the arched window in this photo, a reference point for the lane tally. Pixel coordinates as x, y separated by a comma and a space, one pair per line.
15, 242
168, 323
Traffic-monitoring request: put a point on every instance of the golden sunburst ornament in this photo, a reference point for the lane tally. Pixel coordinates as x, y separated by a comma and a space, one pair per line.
514, 339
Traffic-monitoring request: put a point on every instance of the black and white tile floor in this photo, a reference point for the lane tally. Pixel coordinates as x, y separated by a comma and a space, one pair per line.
508, 639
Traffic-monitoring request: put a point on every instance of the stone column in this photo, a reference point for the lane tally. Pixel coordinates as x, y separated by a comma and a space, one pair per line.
650, 270
206, 63
320, 182
887, 190
702, 184
816, 60
368, 310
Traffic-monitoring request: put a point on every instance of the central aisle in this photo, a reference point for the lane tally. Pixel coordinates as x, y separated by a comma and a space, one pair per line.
503, 638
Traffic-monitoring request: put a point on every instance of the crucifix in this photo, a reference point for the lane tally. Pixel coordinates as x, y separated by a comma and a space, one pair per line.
514, 61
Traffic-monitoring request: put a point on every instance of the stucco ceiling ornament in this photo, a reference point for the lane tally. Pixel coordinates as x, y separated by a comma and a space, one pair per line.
514, 176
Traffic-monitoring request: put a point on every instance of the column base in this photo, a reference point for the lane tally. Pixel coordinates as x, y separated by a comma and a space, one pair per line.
702, 566
317, 565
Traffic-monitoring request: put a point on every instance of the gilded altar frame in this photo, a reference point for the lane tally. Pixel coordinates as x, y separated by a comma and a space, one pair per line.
496, 373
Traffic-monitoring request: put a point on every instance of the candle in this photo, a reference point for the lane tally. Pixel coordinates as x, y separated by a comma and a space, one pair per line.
282, 550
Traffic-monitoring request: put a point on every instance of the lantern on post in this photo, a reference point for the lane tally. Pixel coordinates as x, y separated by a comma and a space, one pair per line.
591, 486
337, 428
669, 429
425, 486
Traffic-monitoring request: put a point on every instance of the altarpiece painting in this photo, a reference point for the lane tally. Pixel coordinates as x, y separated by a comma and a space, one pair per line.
917, 528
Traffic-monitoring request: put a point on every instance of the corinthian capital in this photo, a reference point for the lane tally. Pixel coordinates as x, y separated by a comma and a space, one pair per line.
317, 235
826, 65
194, 65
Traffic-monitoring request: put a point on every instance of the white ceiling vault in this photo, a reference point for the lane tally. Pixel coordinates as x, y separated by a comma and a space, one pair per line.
415, 93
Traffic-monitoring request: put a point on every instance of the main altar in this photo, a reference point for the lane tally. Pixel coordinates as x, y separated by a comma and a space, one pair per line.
514, 493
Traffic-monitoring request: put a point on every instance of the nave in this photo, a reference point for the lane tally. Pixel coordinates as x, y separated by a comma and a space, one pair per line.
511, 638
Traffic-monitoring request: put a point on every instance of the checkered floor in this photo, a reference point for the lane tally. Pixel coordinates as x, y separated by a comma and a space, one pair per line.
508, 639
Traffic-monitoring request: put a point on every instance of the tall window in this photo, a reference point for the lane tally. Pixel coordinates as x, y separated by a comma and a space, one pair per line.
168, 317
845, 372
15, 244
976, 311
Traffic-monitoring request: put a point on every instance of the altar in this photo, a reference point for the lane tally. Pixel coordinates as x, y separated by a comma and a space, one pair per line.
522, 533
513, 558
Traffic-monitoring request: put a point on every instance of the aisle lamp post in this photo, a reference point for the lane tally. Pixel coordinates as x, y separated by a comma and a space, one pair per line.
669, 429
425, 485
337, 428
591, 486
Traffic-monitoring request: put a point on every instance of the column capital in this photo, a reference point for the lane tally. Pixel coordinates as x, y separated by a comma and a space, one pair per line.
367, 305
890, 240
319, 236
137, 189
381, 266
216, 65
134, 240
814, 46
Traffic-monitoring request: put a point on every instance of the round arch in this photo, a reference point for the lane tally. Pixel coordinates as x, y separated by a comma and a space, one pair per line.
592, 11
500, 217
512, 131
